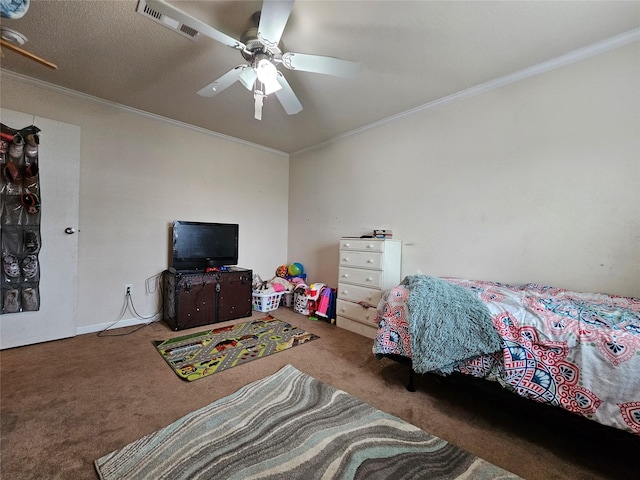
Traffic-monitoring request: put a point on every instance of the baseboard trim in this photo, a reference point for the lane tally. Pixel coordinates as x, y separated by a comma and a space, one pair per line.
127, 322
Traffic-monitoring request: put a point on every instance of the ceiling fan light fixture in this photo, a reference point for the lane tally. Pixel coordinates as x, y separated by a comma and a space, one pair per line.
259, 46
268, 76
248, 77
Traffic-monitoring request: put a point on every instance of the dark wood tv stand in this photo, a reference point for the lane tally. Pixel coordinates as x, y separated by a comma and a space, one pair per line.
192, 299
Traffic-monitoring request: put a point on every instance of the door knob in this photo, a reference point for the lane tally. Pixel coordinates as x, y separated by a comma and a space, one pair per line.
69, 230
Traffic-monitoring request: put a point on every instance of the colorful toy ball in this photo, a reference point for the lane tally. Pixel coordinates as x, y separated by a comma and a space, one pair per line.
296, 269
281, 271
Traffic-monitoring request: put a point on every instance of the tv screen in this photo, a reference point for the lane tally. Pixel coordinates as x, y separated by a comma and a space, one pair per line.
198, 245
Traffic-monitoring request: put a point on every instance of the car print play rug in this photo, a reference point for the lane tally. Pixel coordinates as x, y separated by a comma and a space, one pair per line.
204, 353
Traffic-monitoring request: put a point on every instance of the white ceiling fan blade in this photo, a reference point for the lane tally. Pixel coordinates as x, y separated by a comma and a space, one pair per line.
223, 82
273, 19
320, 64
287, 98
172, 15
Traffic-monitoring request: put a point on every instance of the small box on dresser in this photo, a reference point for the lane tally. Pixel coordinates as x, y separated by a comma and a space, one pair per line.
368, 267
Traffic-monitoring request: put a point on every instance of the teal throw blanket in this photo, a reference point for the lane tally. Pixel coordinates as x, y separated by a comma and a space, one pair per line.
448, 323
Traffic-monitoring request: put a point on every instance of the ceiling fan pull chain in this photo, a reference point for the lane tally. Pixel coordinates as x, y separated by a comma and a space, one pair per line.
259, 99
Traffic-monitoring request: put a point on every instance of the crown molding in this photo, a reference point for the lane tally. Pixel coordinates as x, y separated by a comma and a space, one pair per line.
73, 93
574, 56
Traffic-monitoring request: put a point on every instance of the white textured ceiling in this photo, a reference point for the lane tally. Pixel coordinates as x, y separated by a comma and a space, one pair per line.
410, 52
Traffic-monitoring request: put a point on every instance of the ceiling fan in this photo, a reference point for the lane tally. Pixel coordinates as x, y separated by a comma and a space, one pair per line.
259, 46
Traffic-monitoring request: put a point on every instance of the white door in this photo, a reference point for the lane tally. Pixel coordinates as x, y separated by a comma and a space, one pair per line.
59, 155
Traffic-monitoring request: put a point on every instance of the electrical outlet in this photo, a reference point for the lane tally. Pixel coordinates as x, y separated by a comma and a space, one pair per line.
128, 289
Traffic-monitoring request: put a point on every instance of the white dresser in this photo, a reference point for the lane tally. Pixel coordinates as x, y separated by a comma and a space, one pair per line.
368, 267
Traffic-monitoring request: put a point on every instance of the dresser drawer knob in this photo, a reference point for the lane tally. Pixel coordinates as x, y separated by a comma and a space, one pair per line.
344, 292
369, 279
345, 259
369, 246
345, 275
369, 261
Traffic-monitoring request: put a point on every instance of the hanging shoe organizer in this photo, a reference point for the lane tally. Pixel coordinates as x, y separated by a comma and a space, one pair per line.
20, 238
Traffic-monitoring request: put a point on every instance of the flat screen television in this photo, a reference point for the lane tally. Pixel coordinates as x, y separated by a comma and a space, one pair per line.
200, 245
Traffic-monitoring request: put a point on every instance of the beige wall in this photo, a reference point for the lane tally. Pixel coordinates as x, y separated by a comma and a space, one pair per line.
137, 175
537, 181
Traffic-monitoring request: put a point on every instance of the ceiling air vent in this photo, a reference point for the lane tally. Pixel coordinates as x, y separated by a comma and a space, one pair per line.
184, 30
187, 30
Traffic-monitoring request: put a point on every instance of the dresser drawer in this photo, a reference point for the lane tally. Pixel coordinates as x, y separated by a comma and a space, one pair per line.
364, 245
360, 328
371, 260
359, 294
366, 278
356, 312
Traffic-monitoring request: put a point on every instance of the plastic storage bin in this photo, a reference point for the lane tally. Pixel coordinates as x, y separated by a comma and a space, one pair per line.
287, 299
301, 301
266, 302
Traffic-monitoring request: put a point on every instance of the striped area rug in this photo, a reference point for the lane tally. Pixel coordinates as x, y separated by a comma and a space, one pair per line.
292, 426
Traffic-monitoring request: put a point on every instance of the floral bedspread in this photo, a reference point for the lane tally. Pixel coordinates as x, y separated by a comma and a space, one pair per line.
578, 351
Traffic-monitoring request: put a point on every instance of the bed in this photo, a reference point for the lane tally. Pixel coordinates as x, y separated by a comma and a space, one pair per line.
577, 351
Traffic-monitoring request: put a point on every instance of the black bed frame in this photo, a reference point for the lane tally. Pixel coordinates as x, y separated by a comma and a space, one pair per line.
493, 392
404, 361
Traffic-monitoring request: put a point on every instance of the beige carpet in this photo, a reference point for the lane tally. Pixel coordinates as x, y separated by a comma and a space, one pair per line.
66, 403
